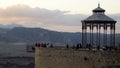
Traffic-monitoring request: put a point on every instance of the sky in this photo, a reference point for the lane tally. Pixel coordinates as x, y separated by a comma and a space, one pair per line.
59, 15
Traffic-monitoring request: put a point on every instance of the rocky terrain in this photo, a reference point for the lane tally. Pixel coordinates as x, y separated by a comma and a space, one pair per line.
17, 62
14, 55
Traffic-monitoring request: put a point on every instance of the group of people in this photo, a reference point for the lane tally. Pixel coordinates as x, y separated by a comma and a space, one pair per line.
44, 45
79, 45
74, 46
89, 46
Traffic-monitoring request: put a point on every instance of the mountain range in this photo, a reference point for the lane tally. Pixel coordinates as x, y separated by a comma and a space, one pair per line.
33, 35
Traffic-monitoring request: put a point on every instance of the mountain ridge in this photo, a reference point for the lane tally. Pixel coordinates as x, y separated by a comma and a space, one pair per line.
24, 34
33, 35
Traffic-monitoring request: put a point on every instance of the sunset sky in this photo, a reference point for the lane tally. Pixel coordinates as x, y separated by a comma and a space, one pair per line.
59, 15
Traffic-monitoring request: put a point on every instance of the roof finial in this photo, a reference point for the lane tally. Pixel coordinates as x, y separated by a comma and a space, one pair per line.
99, 4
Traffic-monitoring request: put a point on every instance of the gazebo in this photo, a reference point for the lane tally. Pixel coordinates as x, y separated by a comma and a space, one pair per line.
98, 25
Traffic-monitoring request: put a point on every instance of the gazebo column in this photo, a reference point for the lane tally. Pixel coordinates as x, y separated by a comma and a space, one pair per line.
106, 35
85, 35
111, 36
83, 31
90, 34
99, 35
114, 34
92, 38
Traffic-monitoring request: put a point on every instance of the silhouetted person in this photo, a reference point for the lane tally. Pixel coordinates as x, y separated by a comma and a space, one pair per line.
36, 45
77, 46
80, 45
67, 46
51, 46
89, 46
105, 48
45, 45
41, 45
98, 47
33, 48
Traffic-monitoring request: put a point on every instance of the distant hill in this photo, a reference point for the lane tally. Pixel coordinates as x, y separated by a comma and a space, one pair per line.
10, 26
33, 35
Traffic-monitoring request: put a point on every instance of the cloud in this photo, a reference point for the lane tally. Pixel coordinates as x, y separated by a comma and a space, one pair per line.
40, 17
25, 13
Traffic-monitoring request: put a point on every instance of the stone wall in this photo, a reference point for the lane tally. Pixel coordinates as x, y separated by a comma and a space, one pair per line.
71, 58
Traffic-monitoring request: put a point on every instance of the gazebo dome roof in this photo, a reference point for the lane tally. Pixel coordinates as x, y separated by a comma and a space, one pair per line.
98, 9
99, 16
